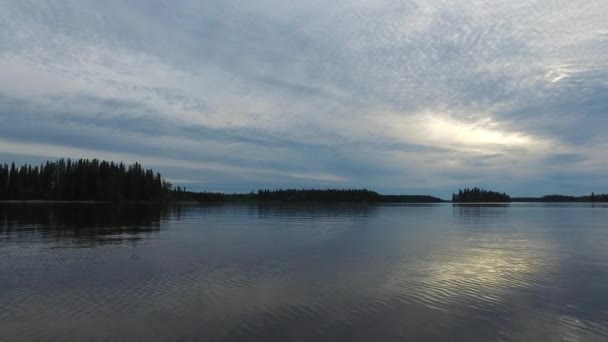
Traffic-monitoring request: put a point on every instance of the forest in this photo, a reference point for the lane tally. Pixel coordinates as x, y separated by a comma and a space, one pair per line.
95, 180
563, 198
479, 195
306, 196
82, 180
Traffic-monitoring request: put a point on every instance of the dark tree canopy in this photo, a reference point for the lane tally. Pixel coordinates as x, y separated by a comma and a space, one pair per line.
330, 195
304, 196
82, 180
564, 198
95, 180
479, 195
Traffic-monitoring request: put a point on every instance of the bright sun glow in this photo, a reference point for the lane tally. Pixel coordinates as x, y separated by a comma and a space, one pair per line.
433, 129
479, 133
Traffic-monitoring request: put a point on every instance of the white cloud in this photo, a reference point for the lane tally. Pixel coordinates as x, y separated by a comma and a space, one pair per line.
467, 83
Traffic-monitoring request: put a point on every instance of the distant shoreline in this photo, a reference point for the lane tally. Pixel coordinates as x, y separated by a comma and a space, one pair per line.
287, 202
106, 182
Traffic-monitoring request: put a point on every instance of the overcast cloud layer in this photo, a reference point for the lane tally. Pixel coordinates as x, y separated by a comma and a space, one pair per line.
233, 95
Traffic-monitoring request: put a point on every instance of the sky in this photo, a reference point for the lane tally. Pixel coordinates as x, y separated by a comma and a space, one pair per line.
415, 97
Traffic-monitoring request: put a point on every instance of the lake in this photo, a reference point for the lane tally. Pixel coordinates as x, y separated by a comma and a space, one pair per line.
518, 272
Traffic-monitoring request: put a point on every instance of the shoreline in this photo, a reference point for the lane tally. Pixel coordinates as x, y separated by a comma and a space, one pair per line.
184, 203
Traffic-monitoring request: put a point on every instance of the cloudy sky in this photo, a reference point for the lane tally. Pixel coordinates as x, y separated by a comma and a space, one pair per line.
401, 96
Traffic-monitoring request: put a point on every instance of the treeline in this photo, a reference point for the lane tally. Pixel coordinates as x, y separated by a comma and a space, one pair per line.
562, 198
410, 199
95, 180
479, 195
305, 196
82, 180
330, 195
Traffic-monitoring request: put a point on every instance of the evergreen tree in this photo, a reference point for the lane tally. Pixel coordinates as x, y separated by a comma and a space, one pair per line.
479, 195
82, 180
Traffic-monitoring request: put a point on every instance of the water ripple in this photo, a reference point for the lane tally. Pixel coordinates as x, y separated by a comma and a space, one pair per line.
309, 273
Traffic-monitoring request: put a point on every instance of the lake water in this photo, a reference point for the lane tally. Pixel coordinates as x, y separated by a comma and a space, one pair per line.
519, 272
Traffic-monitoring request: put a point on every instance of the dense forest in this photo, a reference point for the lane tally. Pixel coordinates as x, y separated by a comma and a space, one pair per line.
95, 180
562, 198
479, 195
410, 199
331, 195
82, 180
305, 196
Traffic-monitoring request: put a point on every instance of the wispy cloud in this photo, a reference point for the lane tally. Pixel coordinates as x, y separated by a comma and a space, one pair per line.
400, 96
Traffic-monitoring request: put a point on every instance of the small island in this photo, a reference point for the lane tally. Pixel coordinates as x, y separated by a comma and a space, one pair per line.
476, 195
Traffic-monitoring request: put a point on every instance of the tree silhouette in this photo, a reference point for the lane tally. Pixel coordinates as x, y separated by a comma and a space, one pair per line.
82, 179
479, 195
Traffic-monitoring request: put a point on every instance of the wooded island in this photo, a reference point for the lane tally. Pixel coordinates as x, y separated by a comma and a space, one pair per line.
95, 180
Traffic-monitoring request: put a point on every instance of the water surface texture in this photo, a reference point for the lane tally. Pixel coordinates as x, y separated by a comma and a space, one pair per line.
519, 272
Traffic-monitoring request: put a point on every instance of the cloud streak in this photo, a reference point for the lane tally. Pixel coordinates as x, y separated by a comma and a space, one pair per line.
400, 96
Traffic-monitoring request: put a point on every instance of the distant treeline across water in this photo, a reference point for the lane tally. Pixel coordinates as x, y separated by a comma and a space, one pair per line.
479, 195
476, 195
307, 195
82, 180
95, 180
562, 198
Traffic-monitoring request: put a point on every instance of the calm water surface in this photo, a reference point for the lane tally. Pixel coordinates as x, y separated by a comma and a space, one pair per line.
304, 273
